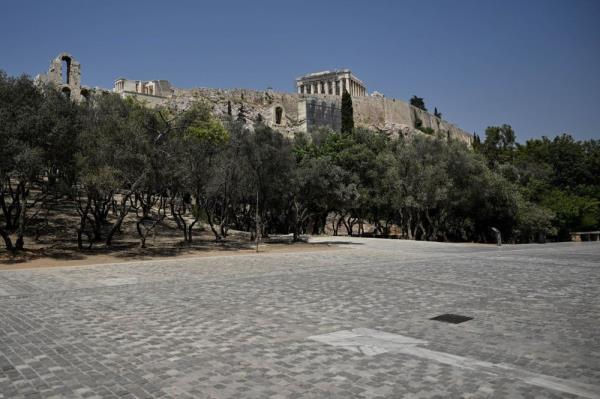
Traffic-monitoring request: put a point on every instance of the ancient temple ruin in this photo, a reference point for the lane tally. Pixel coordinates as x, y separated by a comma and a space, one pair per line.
331, 82
158, 88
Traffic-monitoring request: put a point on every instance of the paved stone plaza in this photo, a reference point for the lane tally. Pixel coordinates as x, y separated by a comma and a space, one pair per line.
350, 322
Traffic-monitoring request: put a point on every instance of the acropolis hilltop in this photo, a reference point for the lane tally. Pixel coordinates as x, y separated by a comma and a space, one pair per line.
315, 102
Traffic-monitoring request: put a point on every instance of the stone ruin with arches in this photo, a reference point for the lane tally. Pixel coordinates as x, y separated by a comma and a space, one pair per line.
65, 74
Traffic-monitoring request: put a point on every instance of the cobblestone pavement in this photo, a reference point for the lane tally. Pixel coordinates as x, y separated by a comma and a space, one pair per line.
252, 326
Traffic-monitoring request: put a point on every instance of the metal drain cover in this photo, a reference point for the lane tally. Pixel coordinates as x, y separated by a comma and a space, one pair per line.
451, 318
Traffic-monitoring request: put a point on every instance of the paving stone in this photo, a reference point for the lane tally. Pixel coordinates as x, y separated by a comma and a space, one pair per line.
239, 326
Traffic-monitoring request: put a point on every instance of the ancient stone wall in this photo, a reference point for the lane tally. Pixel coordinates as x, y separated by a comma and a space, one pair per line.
291, 112
65, 74
278, 110
322, 112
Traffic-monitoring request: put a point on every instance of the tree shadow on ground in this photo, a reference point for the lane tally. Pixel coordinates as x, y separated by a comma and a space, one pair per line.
130, 250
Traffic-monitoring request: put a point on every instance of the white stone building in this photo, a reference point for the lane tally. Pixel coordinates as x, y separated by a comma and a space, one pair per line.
157, 88
331, 83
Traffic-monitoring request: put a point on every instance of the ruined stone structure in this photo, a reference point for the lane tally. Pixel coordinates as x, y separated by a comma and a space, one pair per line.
65, 74
158, 88
316, 103
331, 82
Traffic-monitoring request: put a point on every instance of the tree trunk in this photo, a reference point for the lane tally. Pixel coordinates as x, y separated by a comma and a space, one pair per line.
124, 209
7, 241
212, 226
20, 243
190, 227
409, 227
83, 213
349, 226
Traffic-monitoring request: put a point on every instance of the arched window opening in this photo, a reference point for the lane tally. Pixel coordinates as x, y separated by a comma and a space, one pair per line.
278, 115
85, 93
66, 92
66, 70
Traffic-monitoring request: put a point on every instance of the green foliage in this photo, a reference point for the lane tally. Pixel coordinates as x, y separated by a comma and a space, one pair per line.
418, 102
427, 130
347, 113
37, 135
204, 127
555, 177
573, 212
499, 145
418, 122
114, 157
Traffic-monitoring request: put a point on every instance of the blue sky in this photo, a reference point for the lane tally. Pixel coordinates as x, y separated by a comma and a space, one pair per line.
532, 64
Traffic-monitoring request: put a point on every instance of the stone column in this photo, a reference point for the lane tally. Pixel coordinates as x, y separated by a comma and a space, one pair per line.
299, 90
313, 89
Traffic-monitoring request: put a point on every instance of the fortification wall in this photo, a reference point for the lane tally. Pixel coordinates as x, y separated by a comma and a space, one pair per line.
291, 112
321, 111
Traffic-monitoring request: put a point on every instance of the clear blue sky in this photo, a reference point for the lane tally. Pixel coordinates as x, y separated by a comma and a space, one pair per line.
532, 64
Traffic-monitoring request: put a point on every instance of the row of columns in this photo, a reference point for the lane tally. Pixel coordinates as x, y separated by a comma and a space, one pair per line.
333, 87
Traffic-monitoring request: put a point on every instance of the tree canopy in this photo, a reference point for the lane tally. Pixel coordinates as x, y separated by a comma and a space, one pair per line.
115, 161
418, 102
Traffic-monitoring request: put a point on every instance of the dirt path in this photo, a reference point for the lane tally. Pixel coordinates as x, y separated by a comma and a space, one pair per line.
42, 258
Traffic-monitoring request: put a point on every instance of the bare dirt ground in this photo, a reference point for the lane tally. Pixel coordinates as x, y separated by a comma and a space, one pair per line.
53, 243
40, 258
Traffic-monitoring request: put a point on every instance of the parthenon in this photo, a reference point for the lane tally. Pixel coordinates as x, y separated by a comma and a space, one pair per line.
331, 82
